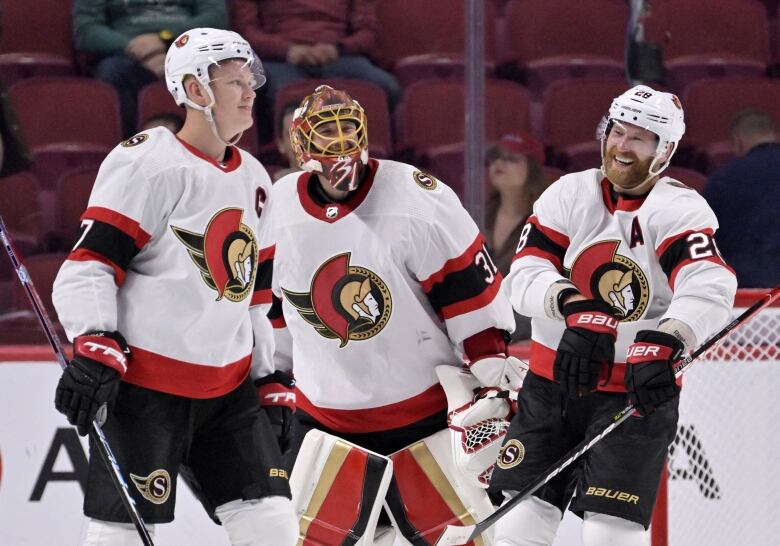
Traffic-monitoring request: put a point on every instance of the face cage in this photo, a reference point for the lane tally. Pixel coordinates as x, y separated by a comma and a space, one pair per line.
340, 145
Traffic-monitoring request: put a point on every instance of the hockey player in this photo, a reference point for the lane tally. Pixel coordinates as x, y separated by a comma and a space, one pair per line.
158, 298
619, 270
377, 275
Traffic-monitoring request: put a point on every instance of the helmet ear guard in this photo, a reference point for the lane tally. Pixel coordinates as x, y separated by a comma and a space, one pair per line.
338, 156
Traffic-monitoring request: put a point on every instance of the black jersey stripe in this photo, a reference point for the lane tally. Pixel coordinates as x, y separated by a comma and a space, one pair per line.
103, 240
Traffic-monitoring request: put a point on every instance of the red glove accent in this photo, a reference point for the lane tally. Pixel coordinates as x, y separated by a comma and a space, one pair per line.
276, 394
595, 321
102, 348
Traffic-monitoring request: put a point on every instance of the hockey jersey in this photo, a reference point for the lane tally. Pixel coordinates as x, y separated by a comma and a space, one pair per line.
371, 294
651, 258
167, 256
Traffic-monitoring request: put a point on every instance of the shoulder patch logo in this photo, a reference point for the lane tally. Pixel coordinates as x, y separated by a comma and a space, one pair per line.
345, 302
601, 273
135, 140
156, 487
425, 181
226, 254
511, 454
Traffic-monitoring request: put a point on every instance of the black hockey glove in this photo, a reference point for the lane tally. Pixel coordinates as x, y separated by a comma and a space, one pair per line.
91, 380
277, 397
587, 345
650, 379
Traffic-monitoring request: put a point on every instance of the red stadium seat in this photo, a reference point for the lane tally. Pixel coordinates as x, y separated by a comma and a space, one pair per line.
35, 40
431, 113
155, 100
689, 177
447, 164
709, 38
20, 208
551, 40
370, 96
42, 269
420, 39
66, 122
73, 189
572, 112
710, 106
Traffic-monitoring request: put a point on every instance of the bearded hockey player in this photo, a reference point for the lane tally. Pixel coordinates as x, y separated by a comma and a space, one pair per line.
619, 270
378, 275
158, 298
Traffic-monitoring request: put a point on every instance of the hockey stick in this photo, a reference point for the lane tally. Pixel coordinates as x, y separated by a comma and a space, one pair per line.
456, 534
96, 433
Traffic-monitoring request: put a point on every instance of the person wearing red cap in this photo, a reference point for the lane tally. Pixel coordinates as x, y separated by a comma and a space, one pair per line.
516, 182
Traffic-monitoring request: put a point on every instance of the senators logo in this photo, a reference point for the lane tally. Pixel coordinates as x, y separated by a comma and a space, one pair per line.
599, 272
226, 254
511, 454
345, 302
156, 487
425, 180
181, 42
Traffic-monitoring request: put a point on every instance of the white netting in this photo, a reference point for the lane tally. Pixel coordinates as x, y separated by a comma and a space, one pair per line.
723, 483
476, 437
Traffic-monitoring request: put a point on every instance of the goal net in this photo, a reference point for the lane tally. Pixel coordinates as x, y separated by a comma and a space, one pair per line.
723, 479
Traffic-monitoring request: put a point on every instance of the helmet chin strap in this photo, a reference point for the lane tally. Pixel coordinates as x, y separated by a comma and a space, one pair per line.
207, 111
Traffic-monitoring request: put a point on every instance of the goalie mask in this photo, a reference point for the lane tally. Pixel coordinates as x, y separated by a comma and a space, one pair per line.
196, 53
329, 137
658, 112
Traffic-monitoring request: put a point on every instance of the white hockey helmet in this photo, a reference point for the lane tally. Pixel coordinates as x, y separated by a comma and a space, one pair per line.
193, 52
658, 112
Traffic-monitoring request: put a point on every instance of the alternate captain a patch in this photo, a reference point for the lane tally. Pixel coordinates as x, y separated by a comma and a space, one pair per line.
345, 302
225, 254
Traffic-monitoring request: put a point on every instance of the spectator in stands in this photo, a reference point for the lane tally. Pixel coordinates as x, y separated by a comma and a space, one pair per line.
129, 39
516, 182
300, 39
283, 142
172, 122
744, 195
14, 156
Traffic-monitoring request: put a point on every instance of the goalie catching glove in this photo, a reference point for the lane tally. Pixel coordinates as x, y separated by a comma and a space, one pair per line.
650, 380
91, 380
277, 398
481, 400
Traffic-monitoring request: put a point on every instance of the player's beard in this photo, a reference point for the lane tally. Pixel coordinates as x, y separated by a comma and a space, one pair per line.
628, 177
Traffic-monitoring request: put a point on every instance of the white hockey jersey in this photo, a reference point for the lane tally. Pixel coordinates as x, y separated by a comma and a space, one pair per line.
168, 257
651, 258
371, 294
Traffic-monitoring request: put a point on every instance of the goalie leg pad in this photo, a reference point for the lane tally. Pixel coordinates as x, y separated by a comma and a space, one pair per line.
602, 530
109, 533
428, 492
532, 522
337, 489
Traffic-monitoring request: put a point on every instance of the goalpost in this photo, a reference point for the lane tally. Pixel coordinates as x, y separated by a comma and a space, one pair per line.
722, 479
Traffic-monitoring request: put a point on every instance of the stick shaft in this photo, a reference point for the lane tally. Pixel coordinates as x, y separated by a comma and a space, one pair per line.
621, 416
95, 432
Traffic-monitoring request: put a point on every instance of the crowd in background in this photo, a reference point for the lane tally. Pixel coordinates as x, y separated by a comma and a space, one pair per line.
300, 42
